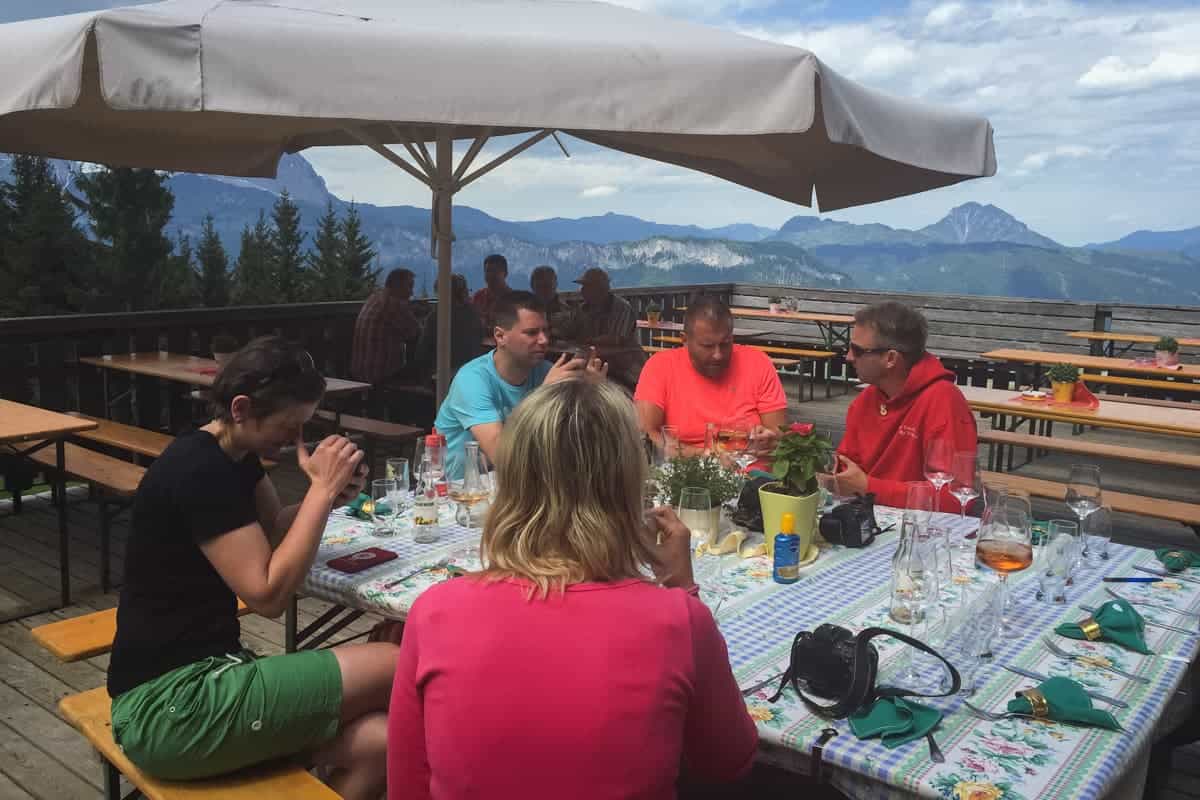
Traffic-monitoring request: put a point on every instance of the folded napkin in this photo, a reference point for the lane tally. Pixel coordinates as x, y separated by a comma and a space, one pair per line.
895, 720
1116, 621
360, 507
1177, 560
1084, 395
1063, 700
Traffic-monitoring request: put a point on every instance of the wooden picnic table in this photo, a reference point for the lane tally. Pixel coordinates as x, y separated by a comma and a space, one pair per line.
663, 325
191, 370
25, 429
1124, 415
1108, 340
835, 328
1039, 357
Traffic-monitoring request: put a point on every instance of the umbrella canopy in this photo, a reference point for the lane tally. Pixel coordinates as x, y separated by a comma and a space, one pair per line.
229, 86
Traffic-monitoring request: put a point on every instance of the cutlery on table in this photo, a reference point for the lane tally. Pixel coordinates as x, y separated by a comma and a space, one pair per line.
1040, 678
996, 717
1095, 661
749, 690
414, 573
1148, 604
1162, 573
1092, 610
935, 752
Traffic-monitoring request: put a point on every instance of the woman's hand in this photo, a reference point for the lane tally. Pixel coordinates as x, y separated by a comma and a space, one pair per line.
674, 567
331, 465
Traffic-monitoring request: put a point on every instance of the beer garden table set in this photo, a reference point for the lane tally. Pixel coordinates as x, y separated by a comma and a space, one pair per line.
984, 759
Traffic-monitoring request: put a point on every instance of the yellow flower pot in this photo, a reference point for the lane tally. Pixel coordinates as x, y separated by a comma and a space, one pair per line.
1063, 392
652, 317
775, 505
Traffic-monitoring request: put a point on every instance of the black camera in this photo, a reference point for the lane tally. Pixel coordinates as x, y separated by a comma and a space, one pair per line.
852, 523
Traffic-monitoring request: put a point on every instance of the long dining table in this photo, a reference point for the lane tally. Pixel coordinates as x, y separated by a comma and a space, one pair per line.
1039, 358
758, 618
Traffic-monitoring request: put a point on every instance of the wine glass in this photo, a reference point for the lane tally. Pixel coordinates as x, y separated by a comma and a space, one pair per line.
965, 483
670, 442
383, 507
735, 439
1083, 490
1006, 545
1097, 533
695, 512
939, 466
920, 501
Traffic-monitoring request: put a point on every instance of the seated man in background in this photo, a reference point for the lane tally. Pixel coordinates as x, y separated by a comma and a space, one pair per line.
543, 282
910, 399
710, 379
466, 330
495, 275
487, 389
385, 328
608, 323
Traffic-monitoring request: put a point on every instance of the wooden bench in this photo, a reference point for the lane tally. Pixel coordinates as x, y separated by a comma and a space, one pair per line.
89, 713
774, 354
131, 438
116, 482
1174, 510
371, 430
1142, 383
999, 440
87, 635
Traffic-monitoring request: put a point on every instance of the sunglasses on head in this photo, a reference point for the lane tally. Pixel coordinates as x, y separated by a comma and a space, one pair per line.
303, 362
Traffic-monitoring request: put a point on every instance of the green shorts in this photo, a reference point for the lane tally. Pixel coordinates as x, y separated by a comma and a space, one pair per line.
228, 712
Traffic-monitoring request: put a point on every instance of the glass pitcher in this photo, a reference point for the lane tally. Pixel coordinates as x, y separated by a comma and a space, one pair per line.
474, 492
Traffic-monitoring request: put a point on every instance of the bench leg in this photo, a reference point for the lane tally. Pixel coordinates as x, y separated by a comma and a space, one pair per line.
16, 501
64, 554
289, 627
105, 531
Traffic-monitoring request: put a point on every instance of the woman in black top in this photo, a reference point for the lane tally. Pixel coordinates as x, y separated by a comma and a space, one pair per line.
208, 527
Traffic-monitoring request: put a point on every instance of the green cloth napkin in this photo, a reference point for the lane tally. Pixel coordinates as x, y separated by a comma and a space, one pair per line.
1176, 560
355, 509
1119, 623
1067, 702
895, 720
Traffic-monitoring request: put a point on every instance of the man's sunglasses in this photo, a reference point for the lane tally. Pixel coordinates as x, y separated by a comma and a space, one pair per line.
303, 362
859, 351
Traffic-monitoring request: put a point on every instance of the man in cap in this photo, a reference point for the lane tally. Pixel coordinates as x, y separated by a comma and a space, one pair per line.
608, 323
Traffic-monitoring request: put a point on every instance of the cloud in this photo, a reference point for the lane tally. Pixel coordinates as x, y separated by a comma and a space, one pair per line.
942, 15
1036, 161
599, 191
1115, 74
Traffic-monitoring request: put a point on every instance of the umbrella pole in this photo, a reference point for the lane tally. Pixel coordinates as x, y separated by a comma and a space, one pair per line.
443, 196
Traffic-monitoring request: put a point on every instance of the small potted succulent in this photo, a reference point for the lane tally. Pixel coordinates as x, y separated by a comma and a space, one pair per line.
1166, 352
223, 347
798, 457
653, 312
1062, 381
773, 303
699, 472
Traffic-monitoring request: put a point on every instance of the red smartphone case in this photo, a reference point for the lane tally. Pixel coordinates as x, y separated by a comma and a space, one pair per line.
363, 559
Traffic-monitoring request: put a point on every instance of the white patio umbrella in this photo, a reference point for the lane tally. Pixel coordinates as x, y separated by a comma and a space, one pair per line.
229, 86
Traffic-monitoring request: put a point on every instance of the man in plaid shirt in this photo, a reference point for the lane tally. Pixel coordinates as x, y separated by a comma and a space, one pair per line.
384, 329
610, 324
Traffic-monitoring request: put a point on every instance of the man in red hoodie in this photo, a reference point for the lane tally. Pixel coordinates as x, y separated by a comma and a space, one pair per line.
910, 400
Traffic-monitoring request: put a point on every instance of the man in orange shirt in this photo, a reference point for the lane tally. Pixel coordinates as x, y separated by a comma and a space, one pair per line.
710, 379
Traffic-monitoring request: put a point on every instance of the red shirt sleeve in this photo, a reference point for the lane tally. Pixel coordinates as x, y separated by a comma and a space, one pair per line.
407, 763
652, 384
719, 738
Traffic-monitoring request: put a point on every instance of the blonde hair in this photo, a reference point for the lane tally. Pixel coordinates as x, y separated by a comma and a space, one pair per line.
568, 505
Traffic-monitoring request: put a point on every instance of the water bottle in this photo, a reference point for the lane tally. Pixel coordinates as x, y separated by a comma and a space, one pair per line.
425, 504
787, 551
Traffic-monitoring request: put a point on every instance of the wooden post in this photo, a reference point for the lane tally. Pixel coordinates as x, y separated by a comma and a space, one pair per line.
443, 197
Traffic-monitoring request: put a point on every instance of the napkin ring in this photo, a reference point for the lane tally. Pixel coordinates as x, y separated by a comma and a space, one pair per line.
1174, 554
1090, 628
1037, 701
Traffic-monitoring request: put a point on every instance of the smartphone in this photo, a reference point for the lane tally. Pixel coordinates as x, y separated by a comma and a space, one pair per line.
363, 559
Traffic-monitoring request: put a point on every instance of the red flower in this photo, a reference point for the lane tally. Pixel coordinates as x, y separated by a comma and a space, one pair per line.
802, 428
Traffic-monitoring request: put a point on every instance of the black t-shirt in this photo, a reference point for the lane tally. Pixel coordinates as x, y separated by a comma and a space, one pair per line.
175, 608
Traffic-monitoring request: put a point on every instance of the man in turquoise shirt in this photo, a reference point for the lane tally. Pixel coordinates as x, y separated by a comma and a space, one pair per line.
488, 388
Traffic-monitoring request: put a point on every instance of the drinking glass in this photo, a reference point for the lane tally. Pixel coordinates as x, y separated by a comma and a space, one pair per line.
734, 439
670, 442
1083, 490
1006, 545
1097, 533
920, 500
397, 470
968, 636
650, 501
965, 484
695, 511
1054, 561
383, 508
475, 487
939, 466
918, 598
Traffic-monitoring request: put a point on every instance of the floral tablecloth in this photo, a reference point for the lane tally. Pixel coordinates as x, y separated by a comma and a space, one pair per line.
1011, 759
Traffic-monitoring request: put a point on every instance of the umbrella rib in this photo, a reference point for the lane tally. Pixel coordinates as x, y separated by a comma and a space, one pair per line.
491, 165
473, 151
380, 148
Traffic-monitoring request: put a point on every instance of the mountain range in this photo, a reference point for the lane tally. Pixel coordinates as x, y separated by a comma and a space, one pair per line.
974, 249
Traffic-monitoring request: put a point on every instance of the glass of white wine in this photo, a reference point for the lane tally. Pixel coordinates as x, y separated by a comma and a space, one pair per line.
475, 488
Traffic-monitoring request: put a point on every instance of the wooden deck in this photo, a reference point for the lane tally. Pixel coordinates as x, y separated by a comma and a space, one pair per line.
42, 757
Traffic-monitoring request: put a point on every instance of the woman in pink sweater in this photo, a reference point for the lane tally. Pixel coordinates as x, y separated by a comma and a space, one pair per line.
562, 670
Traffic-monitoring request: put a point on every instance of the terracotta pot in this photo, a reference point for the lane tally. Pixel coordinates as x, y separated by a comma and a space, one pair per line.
1063, 392
803, 508
652, 317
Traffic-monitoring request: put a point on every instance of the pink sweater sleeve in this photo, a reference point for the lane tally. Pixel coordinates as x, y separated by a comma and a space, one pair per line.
407, 762
719, 739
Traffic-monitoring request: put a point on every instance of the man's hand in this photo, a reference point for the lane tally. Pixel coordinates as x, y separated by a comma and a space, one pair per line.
565, 368
596, 370
674, 549
851, 479
763, 441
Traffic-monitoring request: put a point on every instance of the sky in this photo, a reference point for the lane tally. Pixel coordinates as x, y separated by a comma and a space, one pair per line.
1096, 108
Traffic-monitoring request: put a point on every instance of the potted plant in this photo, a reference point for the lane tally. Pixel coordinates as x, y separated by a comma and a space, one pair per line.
701, 472
1166, 352
653, 310
1062, 381
223, 347
797, 458
773, 303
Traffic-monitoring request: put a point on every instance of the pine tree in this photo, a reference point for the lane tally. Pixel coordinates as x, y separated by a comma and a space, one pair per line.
357, 257
254, 277
213, 269
287, 261
326, 278
178, 286
130, 209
